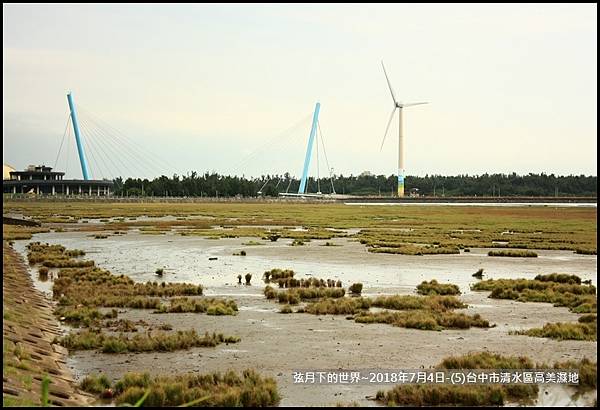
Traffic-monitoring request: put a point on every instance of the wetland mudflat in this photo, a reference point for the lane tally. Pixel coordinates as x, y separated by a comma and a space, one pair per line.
143, 239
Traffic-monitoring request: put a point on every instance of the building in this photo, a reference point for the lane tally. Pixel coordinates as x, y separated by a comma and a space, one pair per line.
7, 169
41, 180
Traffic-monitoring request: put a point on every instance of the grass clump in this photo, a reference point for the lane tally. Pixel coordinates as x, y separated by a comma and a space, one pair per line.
578, 298
231, 389
286, 309
123, 325
423, 319
560, 278
308, 282
563, 331
55, 256
295, 295
588, 372
83, 316
587, 318
276, 274
43, 273
95, 384
586, 251
409, 249
410, 302
342, 306
196, 305
356, 288
442, 395
435, 288
149, 342
457, 395
97, 287
516, 253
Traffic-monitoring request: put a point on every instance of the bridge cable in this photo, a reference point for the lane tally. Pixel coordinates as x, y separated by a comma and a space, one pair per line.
63, 139
112, 154
325, 152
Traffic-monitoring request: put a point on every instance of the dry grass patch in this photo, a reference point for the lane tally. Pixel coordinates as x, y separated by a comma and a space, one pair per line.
563, 331
210, 306
478, 395
230, 389
578, 298
435, 288
424, 319
295, 295
515, 253
148, 342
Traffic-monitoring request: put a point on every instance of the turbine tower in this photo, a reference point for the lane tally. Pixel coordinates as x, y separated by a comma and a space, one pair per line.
397, 106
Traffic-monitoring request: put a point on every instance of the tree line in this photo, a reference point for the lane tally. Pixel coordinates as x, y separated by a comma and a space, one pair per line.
216, 185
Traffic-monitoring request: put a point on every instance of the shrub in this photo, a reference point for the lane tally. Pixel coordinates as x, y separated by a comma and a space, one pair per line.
248, 277
478, 274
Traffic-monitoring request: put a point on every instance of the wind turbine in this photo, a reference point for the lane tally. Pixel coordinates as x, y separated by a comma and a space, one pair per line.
397, 106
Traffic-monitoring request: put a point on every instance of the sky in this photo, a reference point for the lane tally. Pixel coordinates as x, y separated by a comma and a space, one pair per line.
230, 88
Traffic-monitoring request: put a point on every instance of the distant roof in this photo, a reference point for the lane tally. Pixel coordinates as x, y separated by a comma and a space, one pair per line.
36, 169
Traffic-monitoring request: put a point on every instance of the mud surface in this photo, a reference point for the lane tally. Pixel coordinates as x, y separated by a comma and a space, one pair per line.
276, 344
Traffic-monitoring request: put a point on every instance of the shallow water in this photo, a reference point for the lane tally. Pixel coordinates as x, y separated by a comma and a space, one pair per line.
186, 259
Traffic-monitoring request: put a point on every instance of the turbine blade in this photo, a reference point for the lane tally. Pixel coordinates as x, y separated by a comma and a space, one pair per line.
411, 104
388, 127
389, 84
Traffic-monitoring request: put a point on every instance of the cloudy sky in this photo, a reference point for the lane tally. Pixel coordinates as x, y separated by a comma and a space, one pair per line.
231, 88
